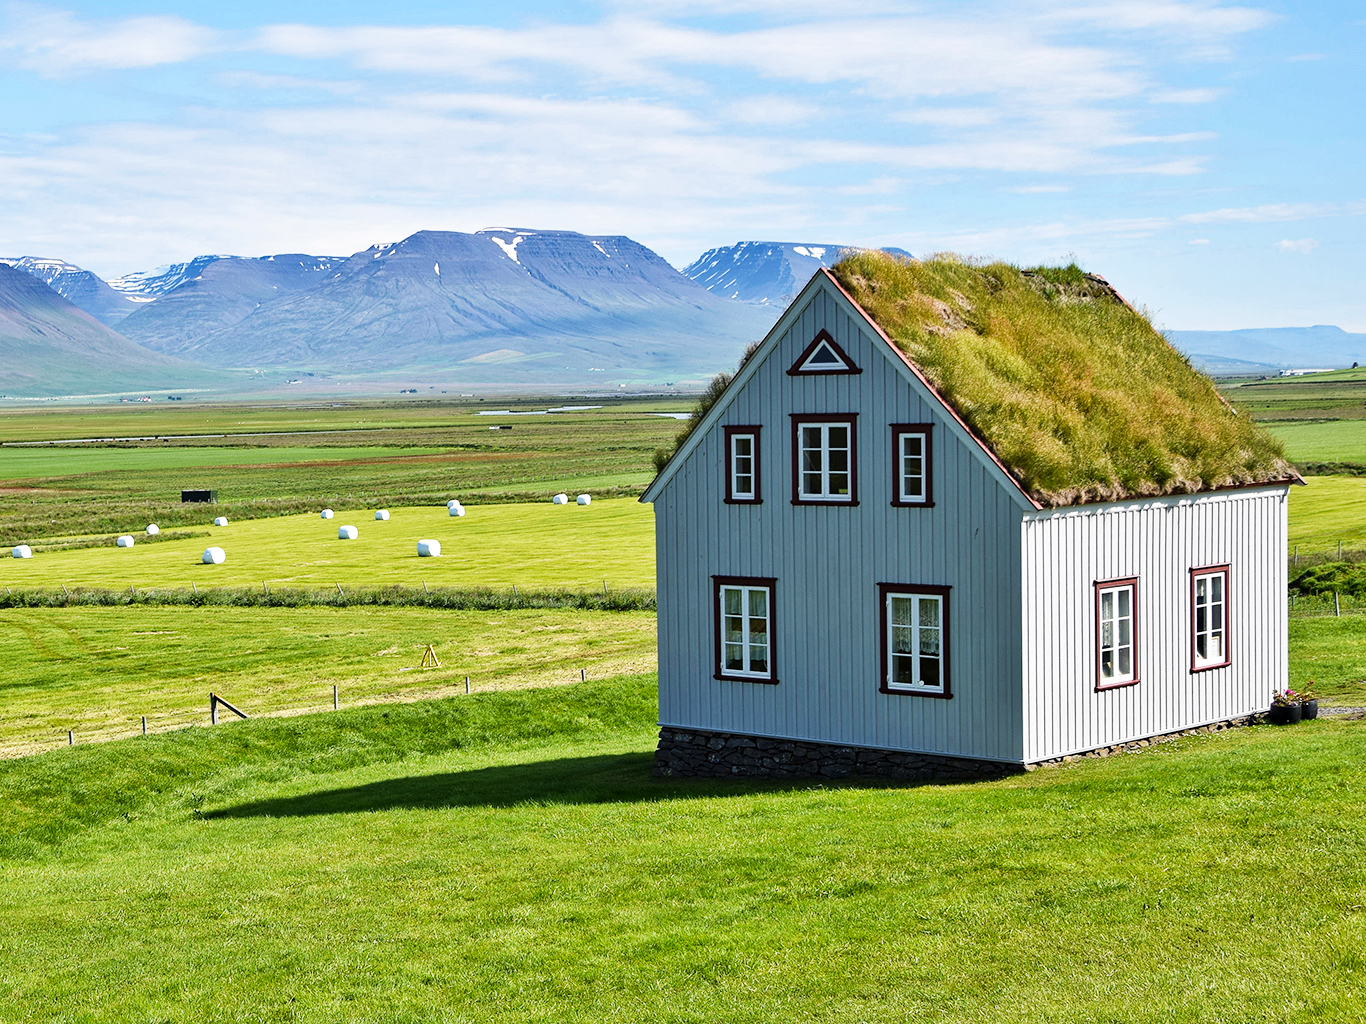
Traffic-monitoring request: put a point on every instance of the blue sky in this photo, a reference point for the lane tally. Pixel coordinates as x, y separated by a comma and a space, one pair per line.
1205, 157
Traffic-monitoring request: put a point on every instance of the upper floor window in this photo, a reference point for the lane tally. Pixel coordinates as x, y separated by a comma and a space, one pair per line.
824, 460
1209, 618
914, 630
911, 464
744, 628
1116, 633
742, 465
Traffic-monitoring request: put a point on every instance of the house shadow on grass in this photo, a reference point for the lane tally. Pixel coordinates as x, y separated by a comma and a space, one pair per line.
605, 778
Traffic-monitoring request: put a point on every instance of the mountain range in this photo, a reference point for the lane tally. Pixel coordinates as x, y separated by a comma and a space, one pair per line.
497, 306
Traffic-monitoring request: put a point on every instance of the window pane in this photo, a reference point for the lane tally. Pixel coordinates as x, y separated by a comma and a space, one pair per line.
731, 600
902, 639
929, 672
744, 446
839, 438
1107, 663
1125, 662
735, 629
1107, 605
1217, 587
901, 611
735, 657
1125, 595
929, 611
1107, 635
758, 604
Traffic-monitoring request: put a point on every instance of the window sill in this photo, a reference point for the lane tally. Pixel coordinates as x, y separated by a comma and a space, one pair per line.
1102, 687
825, 501
744, 679
907, 692
912, 504
743, 501
1196, 669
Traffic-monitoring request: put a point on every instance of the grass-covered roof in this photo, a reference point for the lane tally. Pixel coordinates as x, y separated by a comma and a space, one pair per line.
1074, 390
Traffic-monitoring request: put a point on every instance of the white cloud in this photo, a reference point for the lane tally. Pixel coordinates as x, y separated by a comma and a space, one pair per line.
1198, 241
56, 43
1303, 246
1029, 190
1274, 212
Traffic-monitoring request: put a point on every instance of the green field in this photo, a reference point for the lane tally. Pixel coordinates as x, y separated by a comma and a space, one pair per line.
98, 670
537, 546
1328, 510
506, 857
1323, 441
351, 457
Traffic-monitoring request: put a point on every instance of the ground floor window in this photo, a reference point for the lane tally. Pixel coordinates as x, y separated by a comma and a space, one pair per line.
1209, 618
744, 628
1116, 633
914, 635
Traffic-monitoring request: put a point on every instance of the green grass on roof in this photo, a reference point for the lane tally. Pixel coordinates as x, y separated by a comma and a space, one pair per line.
1075, 391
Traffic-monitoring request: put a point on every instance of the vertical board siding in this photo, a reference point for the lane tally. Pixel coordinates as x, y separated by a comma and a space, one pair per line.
828, 561
1159, 541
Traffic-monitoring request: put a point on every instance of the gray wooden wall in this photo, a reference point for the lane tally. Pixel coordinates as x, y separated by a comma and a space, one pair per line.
829, 560
1065, 552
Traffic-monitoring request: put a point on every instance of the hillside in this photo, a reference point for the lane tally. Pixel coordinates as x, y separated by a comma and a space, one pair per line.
49, 347
81, 288
496, 305
766, 273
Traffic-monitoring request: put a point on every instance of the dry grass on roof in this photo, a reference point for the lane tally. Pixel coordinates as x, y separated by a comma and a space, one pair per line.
1075, 391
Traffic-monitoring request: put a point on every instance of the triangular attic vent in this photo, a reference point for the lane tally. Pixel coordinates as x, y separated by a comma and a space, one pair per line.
823, 355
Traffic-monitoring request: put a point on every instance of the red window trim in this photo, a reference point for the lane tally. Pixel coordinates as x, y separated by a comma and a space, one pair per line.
1210, 570
717, 654
823, 336
912, 428
851, 418
885, 590
1098, 586
731, 499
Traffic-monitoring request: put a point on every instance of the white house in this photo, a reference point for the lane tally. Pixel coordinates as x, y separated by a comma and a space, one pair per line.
860, 572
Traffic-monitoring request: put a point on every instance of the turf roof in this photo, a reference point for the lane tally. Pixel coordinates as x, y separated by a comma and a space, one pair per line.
1074, 390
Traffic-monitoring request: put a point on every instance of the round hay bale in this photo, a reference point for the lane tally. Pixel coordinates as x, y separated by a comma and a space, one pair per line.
560, 499
584, 499
214, 556
456, 510
382, 514
125, 541
327, 513
348, 533
21, 551
153, 529
429, 549
221, 521
453, 503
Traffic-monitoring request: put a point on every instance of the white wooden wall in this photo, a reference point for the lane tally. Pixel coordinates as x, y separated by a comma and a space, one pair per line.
829, 560
1065, 552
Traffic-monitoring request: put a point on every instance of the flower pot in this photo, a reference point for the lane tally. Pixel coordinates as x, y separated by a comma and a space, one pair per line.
1284, 714
1309, 709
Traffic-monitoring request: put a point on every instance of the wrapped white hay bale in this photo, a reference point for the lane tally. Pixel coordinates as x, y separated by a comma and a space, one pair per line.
453, 503
382, 514
125, 541
214, 556
327, 513
21, 551
153, 529
560, 499
456, 509
429, 549
221, 521
348, 533
584, 499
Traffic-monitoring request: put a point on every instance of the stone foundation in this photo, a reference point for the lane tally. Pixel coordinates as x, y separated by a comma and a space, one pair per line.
698, 752
694, 752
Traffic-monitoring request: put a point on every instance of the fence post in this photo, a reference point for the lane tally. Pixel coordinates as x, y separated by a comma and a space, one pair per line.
583, 675
70, 738
1337, 607
467, 684
334, 696
144, 725
1339, 551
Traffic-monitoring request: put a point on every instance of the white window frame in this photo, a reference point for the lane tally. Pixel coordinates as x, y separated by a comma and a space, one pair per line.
920, 635
724, 621
1214, 577
901, 432
825, 495
1110, 599
739, 466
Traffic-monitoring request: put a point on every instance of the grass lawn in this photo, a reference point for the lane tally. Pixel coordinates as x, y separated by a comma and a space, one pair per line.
1331, 652
1328, 441
97, 670
1328, 510
534, 545
506, 857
